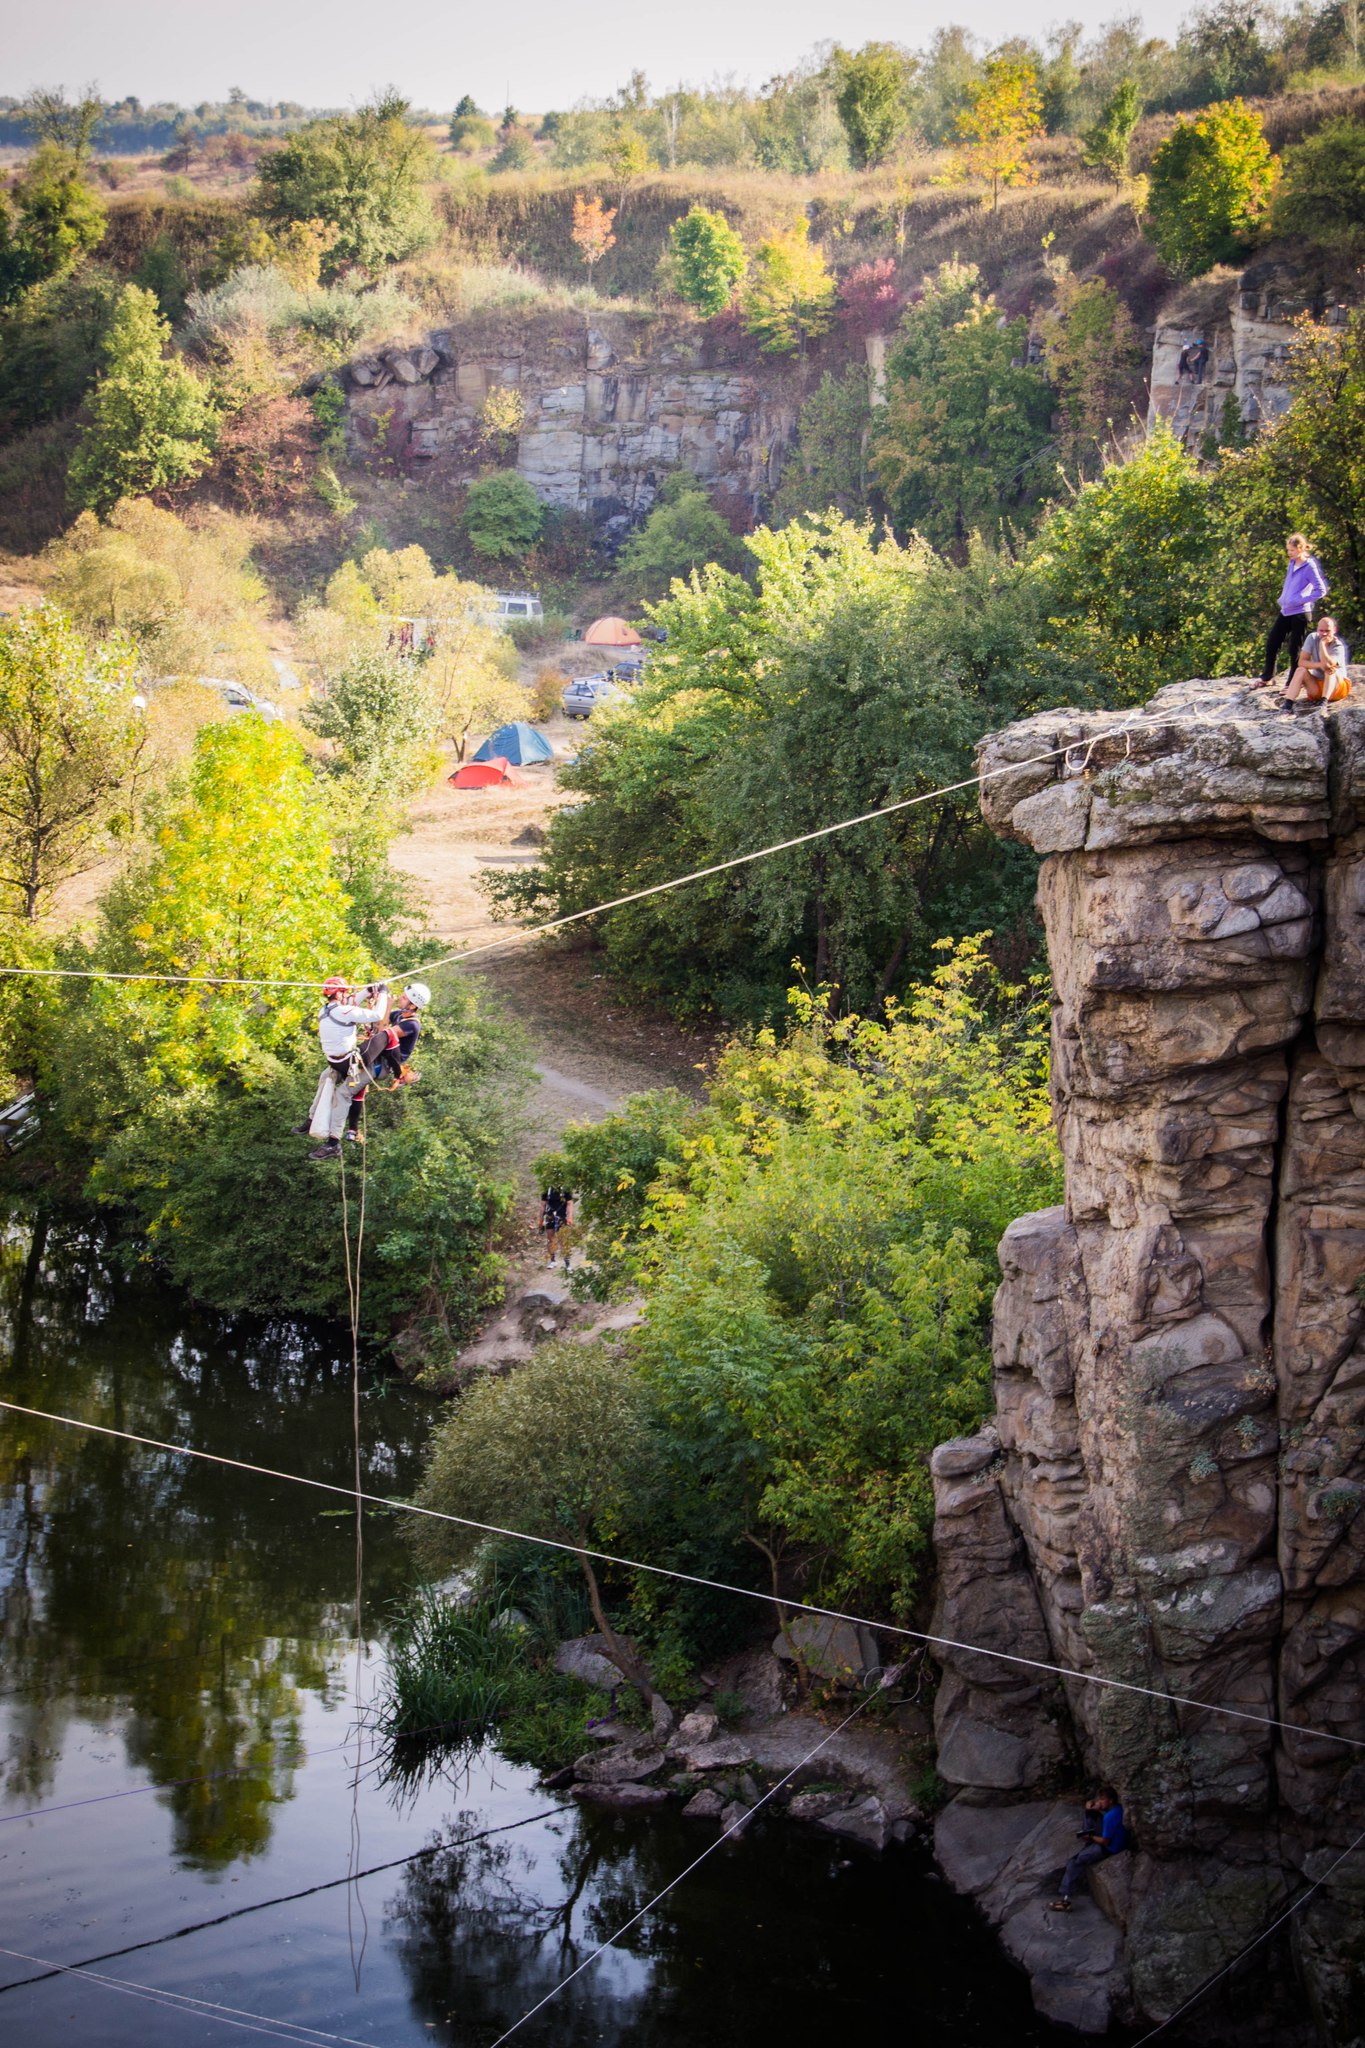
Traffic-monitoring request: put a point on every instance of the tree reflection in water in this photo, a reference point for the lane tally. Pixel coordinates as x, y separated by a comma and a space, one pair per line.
194, 1605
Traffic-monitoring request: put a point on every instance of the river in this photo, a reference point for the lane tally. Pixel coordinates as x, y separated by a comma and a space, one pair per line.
178, 1746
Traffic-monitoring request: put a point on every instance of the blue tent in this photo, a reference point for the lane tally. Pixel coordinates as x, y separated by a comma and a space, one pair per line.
518, 743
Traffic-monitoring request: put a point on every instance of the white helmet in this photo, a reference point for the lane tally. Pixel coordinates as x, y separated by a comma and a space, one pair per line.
418, 994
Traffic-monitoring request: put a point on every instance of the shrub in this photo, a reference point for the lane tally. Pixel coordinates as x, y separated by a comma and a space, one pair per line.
265, 454
682, 533
469, 133
502, 516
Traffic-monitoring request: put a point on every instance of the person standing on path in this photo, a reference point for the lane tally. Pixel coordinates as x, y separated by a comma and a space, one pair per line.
556, 1213
1304, 587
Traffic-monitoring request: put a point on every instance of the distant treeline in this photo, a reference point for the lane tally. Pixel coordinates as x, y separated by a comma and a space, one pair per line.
127, 127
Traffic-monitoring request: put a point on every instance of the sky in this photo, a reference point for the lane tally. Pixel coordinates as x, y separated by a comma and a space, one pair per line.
543, 53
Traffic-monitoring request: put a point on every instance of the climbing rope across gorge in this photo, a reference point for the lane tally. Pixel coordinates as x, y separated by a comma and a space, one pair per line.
521, 933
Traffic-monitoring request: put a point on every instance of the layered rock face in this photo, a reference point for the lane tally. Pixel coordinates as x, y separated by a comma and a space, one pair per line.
1248, 334
1170, 1495
609, 409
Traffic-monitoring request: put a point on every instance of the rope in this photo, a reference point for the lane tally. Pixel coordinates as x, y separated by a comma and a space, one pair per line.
555, 924
181, 2002
353, 1293
695, 1864
635, 1564
1265, 1935
330, 1884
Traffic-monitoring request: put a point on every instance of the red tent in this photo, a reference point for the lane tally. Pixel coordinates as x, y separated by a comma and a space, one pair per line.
611, 632
480, 774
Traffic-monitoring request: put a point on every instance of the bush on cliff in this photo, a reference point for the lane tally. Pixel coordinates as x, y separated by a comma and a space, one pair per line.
814, 1248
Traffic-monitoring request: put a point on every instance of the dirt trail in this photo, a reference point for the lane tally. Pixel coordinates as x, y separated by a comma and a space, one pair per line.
591, 1049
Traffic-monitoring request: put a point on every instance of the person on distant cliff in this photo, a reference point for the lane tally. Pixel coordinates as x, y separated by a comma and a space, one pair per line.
1320, 677
1304, 587
1105, 1836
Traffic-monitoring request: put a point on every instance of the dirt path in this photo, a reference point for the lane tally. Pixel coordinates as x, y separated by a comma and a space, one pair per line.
591, 1048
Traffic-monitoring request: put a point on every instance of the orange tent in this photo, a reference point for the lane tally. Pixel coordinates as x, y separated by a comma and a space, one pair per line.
611, 633
480, 774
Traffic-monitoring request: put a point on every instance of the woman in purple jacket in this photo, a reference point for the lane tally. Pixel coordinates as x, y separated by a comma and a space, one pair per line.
1304, 587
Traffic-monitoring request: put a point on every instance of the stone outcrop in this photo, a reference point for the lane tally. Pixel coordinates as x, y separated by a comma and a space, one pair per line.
610, 405
1170, 1493
1248, 328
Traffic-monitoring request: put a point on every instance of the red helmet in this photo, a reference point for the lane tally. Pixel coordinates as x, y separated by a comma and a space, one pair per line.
336, 985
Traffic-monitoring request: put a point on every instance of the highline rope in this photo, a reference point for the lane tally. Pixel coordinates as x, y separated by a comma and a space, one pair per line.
933, 1641
554, 924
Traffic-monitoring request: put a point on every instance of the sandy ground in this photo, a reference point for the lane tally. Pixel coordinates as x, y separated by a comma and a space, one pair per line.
592, 1049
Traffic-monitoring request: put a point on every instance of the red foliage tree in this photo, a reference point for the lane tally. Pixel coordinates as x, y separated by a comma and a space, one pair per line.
870, 300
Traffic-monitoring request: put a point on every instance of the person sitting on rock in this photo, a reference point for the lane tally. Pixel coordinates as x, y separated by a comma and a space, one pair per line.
1105, 1836
1320, 676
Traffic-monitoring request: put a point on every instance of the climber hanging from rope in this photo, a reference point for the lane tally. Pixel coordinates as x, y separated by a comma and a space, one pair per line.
348, 1073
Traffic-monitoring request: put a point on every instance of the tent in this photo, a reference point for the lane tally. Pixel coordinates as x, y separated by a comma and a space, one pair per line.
480, 774
518, 742
611, 633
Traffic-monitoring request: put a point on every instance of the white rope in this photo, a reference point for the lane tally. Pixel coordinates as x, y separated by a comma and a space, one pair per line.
1265, 1935
180, 2001
740, 860
674, 1882
634, 1564
555, 924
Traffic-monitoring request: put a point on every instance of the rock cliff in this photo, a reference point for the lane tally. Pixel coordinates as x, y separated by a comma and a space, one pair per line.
1170, 1493
609, 406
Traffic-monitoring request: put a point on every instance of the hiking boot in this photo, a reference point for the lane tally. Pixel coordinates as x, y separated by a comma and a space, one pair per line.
356, 1137
299, 1130
331, 1150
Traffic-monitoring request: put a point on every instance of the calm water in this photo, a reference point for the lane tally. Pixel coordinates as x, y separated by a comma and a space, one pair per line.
163, 1620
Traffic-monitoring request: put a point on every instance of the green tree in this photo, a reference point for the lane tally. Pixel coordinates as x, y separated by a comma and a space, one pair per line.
1094, 358
627, 158
502, 516
812, 1249
1305, 469
51, 338
469, 133
1000, 124
383, 720
960, 445
365, 174
707, 259
828, 469
849, 673
518, 153
682, 534
872, 96
237, 882
558, 1449
1109, 139
1321, 196
789, 296
1210, 188
56, 220
151, 421
70, 739
1131, 567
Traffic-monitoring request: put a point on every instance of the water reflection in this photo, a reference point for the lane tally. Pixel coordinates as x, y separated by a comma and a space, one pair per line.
167, 1594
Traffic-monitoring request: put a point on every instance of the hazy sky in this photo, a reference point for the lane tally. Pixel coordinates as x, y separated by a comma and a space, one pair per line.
334, 52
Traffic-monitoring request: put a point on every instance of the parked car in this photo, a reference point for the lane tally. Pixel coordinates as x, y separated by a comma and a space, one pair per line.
584, 693
237, 697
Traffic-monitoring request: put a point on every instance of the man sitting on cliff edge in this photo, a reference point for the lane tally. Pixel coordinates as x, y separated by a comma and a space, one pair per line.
1096, 1843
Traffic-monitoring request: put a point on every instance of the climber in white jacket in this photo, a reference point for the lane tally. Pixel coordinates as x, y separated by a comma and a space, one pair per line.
339, 1021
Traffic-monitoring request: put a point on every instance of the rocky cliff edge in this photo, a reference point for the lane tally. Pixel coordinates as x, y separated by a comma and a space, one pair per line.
1170, 1493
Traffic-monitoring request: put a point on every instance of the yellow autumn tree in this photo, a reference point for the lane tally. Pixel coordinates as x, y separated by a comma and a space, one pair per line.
1005, 117
591, 232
